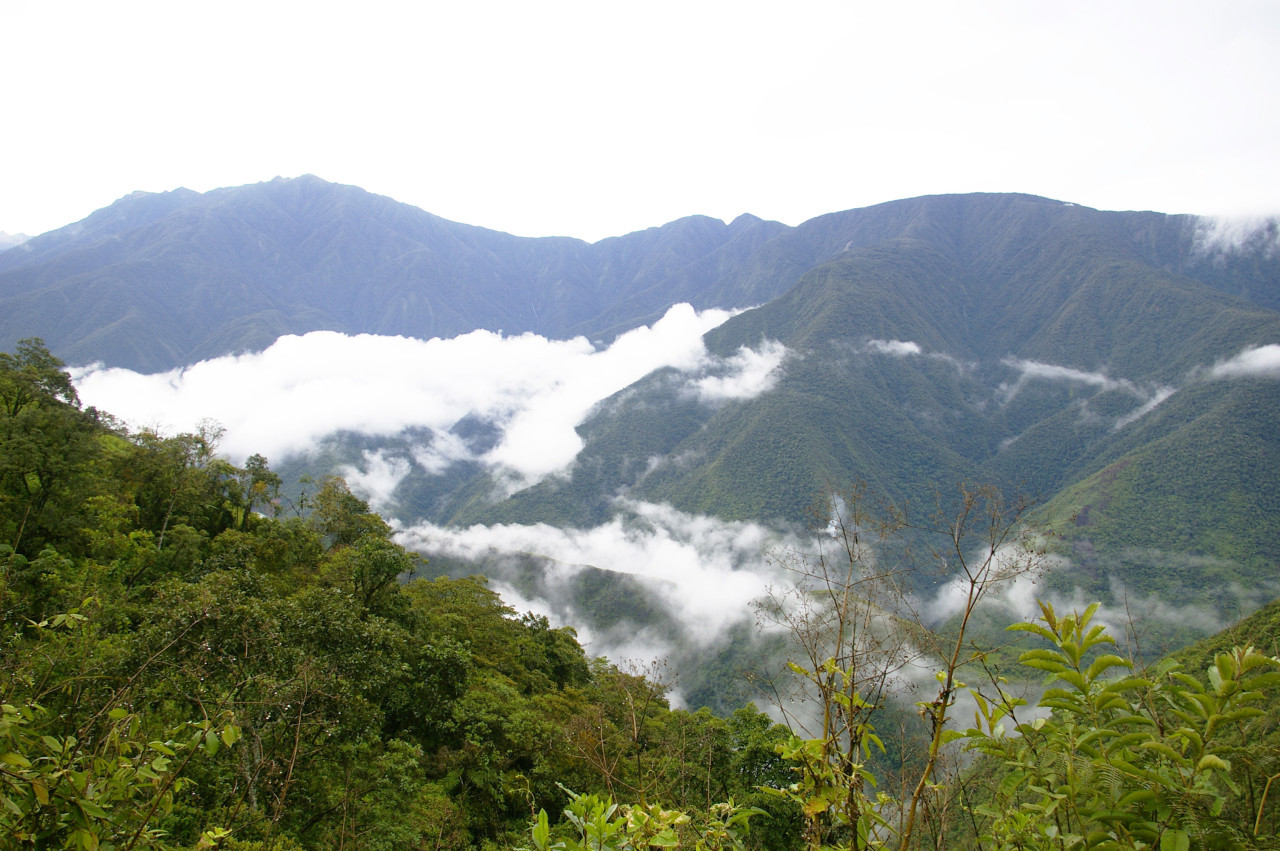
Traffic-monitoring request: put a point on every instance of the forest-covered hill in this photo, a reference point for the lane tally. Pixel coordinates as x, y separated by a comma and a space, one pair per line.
191, 662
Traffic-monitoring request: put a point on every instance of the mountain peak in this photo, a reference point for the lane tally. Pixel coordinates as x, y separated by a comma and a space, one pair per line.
12, 240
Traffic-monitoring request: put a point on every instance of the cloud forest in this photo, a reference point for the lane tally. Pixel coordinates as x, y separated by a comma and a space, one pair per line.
949, 522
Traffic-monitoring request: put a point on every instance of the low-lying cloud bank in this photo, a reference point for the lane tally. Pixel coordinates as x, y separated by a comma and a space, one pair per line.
535, 391
701, 572
705, 571
531, 393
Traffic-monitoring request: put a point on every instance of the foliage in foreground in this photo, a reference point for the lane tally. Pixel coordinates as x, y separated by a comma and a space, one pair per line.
186, 662
1118, 758
186, 665
1110, 758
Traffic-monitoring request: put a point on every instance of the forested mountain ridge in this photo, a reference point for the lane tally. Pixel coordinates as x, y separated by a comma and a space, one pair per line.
158, 281
992, 337
1060, 351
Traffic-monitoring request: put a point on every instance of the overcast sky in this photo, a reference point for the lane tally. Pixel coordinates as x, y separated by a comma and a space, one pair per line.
592, 119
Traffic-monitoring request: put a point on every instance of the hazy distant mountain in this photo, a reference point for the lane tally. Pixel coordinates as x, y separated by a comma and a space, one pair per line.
160, 280
11, 240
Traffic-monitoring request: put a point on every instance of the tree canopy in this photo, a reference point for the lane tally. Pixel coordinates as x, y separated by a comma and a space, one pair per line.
185, 664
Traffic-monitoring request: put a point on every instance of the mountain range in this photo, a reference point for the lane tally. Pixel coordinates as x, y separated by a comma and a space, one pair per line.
157, 281
1120, 366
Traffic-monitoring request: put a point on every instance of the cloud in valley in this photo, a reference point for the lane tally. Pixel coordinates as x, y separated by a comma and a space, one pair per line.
1030, 370
535, 391
377, 478
1015, 573
1158, 395
745, 375
704, 571
909, 348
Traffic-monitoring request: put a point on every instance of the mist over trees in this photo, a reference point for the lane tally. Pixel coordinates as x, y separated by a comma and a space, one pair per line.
193, 661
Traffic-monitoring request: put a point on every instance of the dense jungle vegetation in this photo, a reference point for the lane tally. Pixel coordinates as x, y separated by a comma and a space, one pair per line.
190, 661
188, 664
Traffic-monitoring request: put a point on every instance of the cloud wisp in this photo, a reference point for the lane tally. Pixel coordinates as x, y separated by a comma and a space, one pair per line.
745, 375
1029, 370
1148, 395
896, 348
533, 390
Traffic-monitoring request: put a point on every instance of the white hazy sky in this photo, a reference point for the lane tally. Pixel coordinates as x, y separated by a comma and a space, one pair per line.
593, 119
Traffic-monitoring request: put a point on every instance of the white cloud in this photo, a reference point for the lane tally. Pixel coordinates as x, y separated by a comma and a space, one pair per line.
378, 477
909, 348
1260, 361
1029, 370
536, 391
1157, 397
1015, 571
896, 348
748, 374
1223, 234
444, 450
1150, 395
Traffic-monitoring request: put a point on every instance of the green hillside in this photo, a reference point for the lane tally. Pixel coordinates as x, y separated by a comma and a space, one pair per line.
843, 409
190, 665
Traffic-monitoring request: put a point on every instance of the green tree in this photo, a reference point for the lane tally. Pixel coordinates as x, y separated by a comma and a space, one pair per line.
46, 442
1127, 761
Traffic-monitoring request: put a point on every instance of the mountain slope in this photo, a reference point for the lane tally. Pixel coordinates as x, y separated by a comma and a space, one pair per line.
992, 337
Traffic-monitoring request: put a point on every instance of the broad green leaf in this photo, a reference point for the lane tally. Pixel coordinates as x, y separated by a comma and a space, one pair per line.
1035, 628
1259, 681
1104, 663
541, 830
